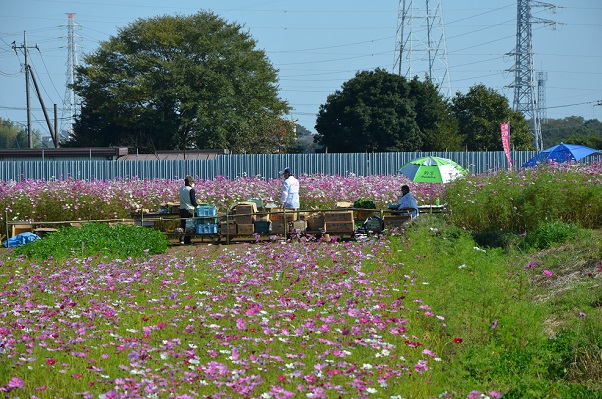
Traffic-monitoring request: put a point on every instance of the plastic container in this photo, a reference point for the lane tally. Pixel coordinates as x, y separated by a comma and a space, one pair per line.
262, 227
210, 228
206, 210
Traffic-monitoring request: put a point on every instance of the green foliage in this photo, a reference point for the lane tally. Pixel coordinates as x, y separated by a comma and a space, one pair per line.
488, 299
547, 234
519, 202
364, 203
13, 135
93, 239
573, 130
377, 111
479, 114
175, 82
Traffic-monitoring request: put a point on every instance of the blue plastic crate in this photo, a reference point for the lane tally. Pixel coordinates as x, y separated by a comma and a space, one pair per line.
210, 228
207, 219
206, 210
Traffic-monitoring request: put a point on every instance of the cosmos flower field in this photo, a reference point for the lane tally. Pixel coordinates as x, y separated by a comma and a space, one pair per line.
314, 320
301, 319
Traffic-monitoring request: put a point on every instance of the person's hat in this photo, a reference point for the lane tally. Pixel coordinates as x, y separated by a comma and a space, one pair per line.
286, 171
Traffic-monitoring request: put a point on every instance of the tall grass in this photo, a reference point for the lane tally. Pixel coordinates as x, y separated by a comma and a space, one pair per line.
520, 201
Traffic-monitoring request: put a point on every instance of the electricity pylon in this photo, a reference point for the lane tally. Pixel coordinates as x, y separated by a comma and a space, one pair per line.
420, 45
71, 101
525, 98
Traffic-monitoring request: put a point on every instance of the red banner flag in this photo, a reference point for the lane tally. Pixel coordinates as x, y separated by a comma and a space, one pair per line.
505, 131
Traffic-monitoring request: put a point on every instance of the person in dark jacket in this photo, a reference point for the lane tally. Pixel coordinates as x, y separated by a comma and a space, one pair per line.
187, 206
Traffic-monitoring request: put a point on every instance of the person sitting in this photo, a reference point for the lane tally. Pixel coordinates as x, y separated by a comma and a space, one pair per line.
407, 202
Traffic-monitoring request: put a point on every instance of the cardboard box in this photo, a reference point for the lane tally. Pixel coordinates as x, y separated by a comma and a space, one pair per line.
290, 216
245, 229
246, 208
278, 227
340, 227
21, 228
228, 229
299, 227
315, 221
245, 219
338, 216
364, 214
344, 204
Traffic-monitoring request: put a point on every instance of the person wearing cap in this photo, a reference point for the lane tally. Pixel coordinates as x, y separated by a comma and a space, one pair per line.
187, 205
290, 191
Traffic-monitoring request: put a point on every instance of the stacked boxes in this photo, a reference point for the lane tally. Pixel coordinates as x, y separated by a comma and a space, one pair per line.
315, 222
244, 217
339, 222
207, 222
210, 228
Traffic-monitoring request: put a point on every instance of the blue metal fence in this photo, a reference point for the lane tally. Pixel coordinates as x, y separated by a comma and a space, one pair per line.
262, 165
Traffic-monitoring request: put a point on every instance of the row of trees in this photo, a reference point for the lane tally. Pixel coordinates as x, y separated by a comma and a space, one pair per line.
382, 111
180, 82
14, 135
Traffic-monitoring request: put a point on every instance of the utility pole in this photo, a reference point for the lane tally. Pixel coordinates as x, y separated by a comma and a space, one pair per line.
27, 98
29, 74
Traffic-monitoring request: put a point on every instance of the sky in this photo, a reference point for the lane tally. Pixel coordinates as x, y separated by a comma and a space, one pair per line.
318, 45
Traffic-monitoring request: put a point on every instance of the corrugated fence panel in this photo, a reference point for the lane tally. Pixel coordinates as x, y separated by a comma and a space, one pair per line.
253, 165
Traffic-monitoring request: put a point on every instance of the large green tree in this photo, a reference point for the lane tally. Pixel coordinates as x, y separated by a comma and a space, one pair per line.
378, 111
479, 114
175, 82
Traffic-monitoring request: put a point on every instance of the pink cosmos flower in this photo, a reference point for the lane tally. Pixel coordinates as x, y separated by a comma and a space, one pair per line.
547, 273
15, 382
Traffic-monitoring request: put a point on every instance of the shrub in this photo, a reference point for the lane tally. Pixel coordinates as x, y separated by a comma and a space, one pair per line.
118, 241
551, 233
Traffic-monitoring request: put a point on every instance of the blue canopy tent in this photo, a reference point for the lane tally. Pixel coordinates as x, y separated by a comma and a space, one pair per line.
562, 153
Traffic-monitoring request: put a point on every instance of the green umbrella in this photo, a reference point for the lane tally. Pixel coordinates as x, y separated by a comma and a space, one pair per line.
432, 170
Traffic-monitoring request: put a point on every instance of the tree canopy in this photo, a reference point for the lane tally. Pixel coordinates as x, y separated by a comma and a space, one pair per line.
374, 111
380, 111
479, 113
176, 82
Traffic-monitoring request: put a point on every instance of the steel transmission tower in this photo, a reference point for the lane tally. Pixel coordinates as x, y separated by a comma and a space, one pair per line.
542, 77
71, 101
420, 45
525, 99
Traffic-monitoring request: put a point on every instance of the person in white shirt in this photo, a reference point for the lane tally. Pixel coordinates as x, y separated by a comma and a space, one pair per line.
407, 201
290, 191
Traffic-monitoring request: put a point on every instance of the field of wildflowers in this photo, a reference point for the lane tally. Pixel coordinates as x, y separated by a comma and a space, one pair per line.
423, 314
